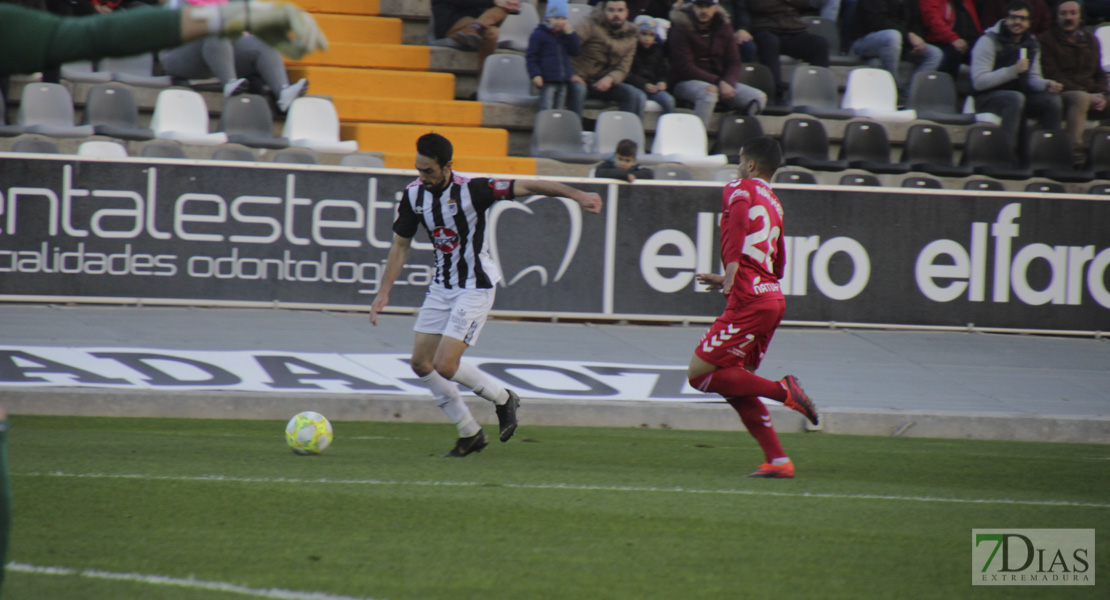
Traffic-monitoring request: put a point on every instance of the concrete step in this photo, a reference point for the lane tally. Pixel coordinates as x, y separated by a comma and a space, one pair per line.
357, 29
407, 110
343, 7
400, 137
379, 83
371, 56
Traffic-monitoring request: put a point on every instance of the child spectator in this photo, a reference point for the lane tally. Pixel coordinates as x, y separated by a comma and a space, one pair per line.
650, 65
548, 57
622, 164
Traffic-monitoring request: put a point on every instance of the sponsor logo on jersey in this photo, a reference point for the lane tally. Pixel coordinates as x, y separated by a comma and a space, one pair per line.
445, 239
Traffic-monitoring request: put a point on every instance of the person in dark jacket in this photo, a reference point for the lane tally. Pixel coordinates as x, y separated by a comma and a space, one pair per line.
705, 63
891, 31
548, 57
1072, 57
777, 30
1006, 76
650, 66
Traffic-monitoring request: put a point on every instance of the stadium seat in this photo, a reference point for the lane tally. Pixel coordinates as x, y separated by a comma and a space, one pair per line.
84, 71
505, 80
135, 70
613, 126
733, 131
860, 179
1050, 155
872, 93
515, 30
1046, 187
33, 145
830, 30
247, 120
929, 148
725, 174
576, 13
1098, 154
759, 77
313, 123
989, 151
182, 115
918, 181
295, 156
234, 153
111, 110
984, 185
1099, 189
557, 134
933, 96
806, 144
866, 146
795, 177
362, 160
681, 138
673, 173
102, 149
813, 91
47, 109
162, 150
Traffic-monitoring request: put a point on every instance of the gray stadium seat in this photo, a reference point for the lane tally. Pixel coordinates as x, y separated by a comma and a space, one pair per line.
47, 109
111, 110
557, 135
505, 80
234, 153
247, 120
296, 156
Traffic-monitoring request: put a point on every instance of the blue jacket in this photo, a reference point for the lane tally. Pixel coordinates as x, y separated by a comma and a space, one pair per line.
549, 54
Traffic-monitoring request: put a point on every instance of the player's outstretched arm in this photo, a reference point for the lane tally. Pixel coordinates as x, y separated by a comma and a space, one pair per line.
589, 201
398, 253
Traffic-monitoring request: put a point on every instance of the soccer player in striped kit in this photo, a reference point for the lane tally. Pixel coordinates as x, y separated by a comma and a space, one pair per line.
725, 360
453, 209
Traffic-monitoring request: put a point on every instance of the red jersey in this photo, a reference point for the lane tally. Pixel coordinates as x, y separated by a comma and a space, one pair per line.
752, 235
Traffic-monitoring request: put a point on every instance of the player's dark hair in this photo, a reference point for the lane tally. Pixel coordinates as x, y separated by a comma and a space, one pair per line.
436, 147
765, 151
626, 148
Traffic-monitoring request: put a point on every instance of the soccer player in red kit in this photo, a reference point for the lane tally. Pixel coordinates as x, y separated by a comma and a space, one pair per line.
729, 353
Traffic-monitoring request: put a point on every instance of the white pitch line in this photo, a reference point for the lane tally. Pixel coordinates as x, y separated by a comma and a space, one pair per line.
188, 582
568, 486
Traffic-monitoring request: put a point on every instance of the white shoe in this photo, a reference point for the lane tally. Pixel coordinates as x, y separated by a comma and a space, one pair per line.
233, 85
290, 93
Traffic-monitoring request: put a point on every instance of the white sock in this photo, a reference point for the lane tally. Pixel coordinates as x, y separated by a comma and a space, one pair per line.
782, 460
451, 403
482, 384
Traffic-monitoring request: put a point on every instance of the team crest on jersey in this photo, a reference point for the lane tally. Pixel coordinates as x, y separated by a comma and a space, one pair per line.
445, 239
452, 207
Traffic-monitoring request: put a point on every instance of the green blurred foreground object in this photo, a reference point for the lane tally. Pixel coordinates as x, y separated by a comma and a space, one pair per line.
209, 509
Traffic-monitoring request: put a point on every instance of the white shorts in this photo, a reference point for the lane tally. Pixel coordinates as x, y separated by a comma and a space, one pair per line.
458, 313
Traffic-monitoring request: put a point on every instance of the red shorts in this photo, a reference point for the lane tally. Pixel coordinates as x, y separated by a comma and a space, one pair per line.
740, 337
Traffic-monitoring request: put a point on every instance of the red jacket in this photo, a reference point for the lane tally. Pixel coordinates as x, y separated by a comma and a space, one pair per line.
939, 17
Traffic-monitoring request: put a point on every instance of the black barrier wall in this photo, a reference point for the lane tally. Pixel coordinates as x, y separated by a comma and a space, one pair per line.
188, 231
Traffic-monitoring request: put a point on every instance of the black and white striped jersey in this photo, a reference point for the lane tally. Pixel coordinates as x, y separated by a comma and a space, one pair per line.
456, 222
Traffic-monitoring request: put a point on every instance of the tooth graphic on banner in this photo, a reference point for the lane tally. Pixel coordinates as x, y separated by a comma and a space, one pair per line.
575, 235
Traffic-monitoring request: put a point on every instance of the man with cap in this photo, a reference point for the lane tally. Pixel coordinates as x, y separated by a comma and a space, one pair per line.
548, 57
705, 62
609, 42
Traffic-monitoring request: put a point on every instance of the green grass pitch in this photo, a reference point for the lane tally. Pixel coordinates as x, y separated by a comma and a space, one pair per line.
215, 510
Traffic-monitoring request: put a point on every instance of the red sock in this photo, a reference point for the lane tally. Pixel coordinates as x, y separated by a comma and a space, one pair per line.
738, 382
758, 421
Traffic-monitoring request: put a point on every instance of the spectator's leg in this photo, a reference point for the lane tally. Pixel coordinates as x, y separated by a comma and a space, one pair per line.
748, 52
480, 34
927, 61
847, 18
951, 61
767, 43
1045, 108
560, 100
748, 99
547, 96
830, 9
665, 100
695, 91
886, 45
809, 47
1007, 104
576, 97
188, 61
254, 57
1076, 105
628, 98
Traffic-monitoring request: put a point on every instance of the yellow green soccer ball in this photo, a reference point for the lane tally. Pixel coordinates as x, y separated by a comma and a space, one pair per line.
308, 433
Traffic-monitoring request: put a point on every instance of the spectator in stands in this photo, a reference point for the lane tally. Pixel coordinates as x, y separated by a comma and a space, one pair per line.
953, 26
705, 63
473, 23
549, 51
742, 24
993, 11
650, 65
609, 43
891, 30
777, 30
1073, 57
622, 164
1006, 75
